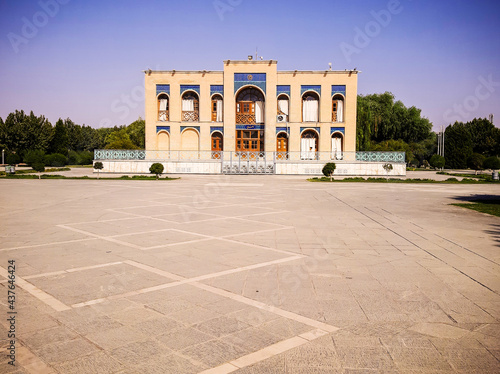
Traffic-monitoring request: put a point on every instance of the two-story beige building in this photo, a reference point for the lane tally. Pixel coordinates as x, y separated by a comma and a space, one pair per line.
252, 107
251, 118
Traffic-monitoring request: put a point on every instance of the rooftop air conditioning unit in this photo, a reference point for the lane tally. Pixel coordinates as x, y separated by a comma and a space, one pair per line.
281, 118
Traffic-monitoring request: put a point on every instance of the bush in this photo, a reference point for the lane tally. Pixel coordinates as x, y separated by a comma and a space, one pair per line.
492, 163
475, 161
437, 161
157, 169
452, 180
12, 159
38, 166
80, 158
329, 169
56, 159
34, 157
86, 158
73, 158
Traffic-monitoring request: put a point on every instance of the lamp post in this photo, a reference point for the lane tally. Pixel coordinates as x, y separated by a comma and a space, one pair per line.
3, 156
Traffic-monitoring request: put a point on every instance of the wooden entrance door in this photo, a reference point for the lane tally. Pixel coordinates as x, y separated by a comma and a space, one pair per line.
282, 146
217, 145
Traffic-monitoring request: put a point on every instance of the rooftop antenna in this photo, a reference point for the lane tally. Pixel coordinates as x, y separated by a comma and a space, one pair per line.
256, 53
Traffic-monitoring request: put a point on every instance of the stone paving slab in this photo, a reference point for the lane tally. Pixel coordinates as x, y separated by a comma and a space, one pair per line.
249, 274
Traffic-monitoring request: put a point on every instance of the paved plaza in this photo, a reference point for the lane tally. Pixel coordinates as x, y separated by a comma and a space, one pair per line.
248, 274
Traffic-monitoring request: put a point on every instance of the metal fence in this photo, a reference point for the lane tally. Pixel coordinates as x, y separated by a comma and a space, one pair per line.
264, 157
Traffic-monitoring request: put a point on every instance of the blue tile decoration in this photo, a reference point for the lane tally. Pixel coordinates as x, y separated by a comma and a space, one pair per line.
190, 127
255, 79
381, 156
317, 89
185, 87
318, 129
216, 89
285, 129
338, 89
160, 128
337, 129
217, 128
249, 127
282, 89
162, 88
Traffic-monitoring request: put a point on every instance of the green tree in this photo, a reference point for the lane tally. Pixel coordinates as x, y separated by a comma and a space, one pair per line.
119, 139
59, 142
380, 118
137, 133
329, 169
484, 136
21, 132
458, 145
156, 169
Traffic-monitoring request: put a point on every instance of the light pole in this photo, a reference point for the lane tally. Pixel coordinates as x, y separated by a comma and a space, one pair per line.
3, 156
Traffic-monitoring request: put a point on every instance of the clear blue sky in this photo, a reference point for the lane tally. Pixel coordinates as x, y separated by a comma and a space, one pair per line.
78, 59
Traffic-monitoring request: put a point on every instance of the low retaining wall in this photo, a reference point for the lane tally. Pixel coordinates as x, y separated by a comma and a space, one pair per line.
347, 168
371, 169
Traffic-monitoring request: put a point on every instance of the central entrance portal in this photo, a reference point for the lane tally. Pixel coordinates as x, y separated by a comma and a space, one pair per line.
250, 122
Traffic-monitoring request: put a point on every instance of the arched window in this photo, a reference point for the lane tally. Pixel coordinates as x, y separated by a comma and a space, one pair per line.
283, 108
217, 110
163, 108
310, 107
338, 109
190, 107
250, 106
309, 145
337, 146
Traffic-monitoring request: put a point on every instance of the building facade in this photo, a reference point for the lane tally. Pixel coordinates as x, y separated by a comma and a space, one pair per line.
251, 107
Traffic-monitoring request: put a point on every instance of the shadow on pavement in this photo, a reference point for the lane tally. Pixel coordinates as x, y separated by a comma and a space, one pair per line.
485, 199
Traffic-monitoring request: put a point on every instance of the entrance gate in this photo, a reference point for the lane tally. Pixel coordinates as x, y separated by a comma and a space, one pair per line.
247, 163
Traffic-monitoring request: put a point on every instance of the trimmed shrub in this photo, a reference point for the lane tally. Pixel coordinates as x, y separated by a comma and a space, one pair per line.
475, 161
12, 159
34, 157
38, 166
329, 169
437, 161
157, 169
492, 163
56, 159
